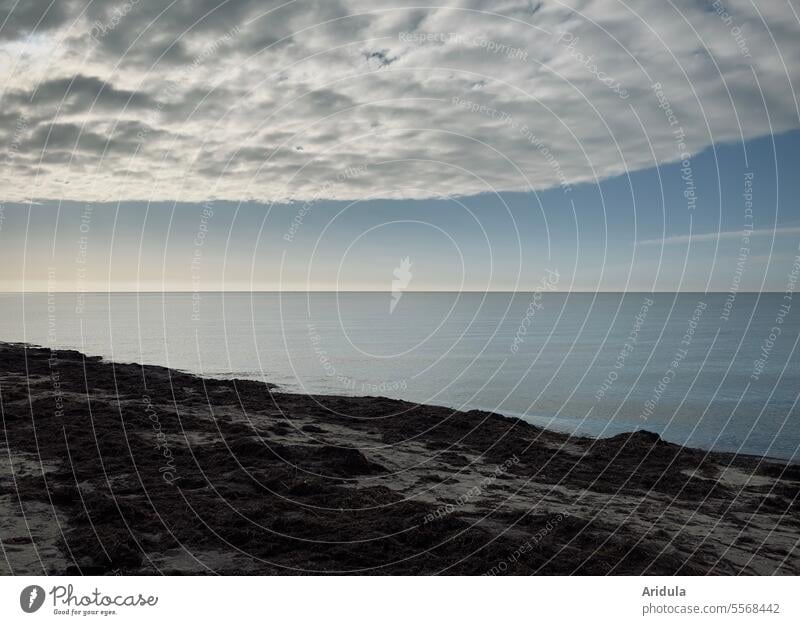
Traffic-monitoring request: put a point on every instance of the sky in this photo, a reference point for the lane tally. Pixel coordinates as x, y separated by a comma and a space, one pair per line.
316, 145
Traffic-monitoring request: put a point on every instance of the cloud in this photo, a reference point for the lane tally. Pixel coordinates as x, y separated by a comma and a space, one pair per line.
79, 94
469, 98
22, 17
682, 239
73, 138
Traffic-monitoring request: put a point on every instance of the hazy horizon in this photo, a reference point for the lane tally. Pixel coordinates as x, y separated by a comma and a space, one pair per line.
388, 291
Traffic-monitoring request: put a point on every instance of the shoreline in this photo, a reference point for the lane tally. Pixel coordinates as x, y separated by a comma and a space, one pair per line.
134, 469
551, 427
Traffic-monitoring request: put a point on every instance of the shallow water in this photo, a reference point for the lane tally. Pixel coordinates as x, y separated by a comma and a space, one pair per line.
596, 364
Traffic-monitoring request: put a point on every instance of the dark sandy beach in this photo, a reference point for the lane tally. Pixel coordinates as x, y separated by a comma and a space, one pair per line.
112, 468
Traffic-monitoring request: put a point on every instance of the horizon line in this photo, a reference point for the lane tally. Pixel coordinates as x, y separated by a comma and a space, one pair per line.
254, 291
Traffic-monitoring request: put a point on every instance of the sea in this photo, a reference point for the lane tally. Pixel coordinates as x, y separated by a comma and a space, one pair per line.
717, 371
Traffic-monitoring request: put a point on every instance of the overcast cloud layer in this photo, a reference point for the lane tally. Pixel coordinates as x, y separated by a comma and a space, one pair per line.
347, 99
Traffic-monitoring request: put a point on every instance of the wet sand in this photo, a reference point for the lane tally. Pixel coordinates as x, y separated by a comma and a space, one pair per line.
110, 468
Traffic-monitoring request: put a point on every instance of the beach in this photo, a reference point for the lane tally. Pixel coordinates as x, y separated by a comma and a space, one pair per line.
112, 468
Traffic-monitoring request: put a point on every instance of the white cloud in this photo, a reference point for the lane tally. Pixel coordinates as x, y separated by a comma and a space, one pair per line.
246, 101
681, 239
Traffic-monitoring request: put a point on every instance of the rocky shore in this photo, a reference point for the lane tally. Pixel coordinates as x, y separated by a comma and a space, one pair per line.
110, 468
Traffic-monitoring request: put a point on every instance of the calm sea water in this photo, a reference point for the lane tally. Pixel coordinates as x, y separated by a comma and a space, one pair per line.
687, 366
